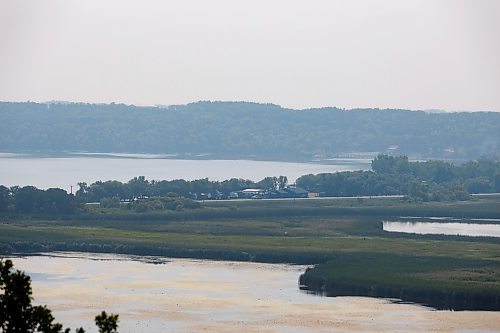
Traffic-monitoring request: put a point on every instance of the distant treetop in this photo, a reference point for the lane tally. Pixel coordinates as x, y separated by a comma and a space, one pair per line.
242, 129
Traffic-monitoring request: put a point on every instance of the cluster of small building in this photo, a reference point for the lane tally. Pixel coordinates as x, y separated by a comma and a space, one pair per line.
287, 192
255, 193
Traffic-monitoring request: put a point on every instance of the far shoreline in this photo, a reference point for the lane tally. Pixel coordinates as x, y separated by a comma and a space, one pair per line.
348, 158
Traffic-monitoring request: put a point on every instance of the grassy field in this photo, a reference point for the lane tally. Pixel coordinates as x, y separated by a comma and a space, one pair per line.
316, 227
293, 231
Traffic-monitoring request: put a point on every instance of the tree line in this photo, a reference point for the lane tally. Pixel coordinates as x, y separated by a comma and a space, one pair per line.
29, 199
263, 131
140, 194
396, 175
390, 175
140, 187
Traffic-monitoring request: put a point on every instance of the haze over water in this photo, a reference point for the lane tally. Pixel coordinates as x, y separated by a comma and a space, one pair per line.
68, 171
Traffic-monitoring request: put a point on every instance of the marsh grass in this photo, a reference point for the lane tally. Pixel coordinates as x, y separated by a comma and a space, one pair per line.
439, 281
347, 233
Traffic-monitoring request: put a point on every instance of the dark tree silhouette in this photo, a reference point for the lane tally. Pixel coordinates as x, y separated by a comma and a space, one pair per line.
107, 323
18, 315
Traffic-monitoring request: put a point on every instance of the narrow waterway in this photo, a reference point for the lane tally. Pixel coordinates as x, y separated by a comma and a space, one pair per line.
443, 228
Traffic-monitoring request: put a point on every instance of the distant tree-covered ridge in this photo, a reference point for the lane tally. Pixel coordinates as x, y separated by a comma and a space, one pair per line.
390, 175
241, 129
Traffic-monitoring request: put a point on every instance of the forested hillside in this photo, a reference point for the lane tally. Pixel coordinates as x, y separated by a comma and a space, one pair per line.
240, 129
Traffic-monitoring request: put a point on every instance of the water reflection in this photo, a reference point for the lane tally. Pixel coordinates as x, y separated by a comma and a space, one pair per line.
65, 171
443, 228
200, 295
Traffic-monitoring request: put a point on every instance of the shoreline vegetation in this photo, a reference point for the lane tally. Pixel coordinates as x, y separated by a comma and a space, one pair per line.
444, 283
334, 233
390, 176
343, 237
362, 159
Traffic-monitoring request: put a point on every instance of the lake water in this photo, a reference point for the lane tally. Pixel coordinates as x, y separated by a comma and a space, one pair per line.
63, 172
175, 295
443, 228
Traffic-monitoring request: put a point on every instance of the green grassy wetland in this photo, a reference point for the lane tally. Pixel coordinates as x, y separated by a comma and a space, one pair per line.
343, 237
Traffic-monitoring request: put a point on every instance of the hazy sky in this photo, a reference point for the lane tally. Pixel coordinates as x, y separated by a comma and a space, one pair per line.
418, 54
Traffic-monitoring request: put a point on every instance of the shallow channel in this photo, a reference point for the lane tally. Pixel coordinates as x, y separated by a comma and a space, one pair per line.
443, 228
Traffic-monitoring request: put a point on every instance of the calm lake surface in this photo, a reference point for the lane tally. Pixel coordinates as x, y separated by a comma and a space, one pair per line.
63, 172
443, 228
176, 295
